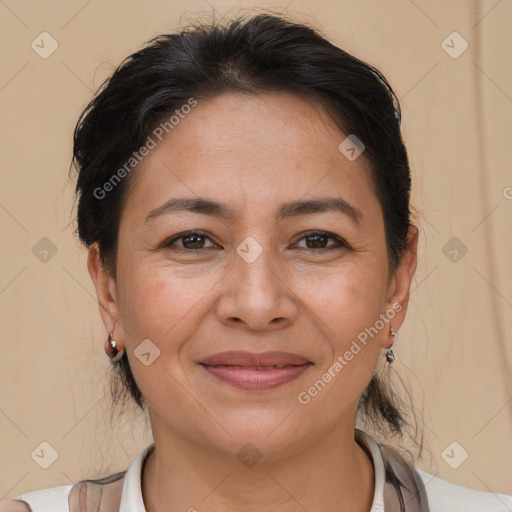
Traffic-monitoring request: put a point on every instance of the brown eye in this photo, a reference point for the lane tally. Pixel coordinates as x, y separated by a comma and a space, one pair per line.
191, 241
316, 241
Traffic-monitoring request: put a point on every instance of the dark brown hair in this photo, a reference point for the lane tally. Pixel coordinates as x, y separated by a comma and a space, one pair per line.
262, 53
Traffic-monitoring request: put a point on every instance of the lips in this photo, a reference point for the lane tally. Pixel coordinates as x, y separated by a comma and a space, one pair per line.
251, 371
263, 360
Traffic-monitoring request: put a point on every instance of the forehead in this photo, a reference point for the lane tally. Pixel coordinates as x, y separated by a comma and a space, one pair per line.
245, 148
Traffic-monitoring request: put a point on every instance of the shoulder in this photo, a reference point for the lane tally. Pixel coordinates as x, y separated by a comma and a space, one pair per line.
85, 496
445, 496
103, 494
52, 499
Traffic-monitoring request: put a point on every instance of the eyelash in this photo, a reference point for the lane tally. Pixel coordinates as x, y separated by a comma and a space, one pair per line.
340, 242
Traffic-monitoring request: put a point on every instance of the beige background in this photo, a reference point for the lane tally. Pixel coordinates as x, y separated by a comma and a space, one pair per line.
454, 349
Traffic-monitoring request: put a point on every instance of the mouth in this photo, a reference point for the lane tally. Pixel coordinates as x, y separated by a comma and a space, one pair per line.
252, 371
253, 359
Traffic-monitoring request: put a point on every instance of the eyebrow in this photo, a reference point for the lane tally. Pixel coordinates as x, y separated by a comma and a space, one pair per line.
206, 206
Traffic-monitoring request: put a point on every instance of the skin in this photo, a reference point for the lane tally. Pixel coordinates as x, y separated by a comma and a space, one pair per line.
253, 152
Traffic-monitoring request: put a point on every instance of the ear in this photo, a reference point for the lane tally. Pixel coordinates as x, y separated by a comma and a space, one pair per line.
105, 289
399, 288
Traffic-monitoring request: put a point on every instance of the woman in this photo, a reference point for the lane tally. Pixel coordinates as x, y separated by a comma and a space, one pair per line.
244, 196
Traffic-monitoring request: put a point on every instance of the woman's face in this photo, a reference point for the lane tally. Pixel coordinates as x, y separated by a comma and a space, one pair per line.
256, 280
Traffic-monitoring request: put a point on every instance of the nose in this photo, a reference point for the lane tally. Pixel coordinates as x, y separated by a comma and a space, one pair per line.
257, 294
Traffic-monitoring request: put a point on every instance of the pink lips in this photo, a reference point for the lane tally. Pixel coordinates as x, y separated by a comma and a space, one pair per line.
254, 371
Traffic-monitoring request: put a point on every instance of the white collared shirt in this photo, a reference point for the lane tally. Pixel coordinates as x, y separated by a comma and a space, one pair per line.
123, 492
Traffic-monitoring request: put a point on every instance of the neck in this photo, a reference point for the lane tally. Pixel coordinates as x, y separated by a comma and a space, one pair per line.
334, 474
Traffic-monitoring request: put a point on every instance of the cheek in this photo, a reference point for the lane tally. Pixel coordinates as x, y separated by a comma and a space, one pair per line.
346, 306
346, 309
163, 304
158, 308
346, 300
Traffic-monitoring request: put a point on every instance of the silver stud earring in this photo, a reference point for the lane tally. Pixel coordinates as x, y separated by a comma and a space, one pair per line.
113, 349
